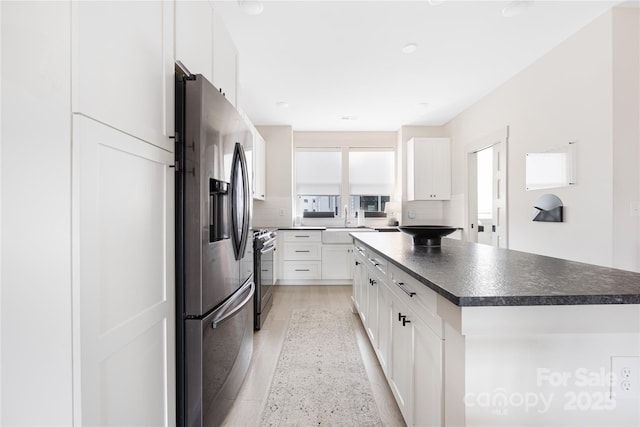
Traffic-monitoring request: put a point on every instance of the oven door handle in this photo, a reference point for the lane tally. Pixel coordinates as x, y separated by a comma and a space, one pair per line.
267, 249
224, 315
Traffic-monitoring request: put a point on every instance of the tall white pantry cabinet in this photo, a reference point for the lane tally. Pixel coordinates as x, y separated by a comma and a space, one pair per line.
86, 208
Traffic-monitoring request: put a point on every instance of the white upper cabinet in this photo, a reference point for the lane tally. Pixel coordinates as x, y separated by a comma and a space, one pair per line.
123, 65
429, 169
194, 36
225, 61
259, 167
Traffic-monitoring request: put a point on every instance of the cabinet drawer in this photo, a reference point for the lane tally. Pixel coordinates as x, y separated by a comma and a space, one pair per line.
302, 270
417, 296
303, 236
301, 251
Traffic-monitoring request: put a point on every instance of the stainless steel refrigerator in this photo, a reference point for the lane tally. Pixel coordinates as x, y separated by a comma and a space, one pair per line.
214, 265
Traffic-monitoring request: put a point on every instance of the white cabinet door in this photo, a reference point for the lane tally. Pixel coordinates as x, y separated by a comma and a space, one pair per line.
373, 284
123, 278
416, 374
359, 281
428, 169
194, 36
259, 167
428, 386
225, 61
400, 378
123, 66
385, 317
336, 262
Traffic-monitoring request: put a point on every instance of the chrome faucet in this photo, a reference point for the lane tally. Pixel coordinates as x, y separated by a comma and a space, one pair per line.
346, 215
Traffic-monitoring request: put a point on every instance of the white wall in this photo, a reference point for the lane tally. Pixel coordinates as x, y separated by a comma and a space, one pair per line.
626, 137
567, 95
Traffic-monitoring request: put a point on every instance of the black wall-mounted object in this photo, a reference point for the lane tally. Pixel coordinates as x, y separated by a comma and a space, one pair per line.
548, 208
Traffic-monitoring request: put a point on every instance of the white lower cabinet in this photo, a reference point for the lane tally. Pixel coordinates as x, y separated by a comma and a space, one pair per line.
398, 314
336, 262
428, 381
416, 365
306, 257
399, 376
302, 251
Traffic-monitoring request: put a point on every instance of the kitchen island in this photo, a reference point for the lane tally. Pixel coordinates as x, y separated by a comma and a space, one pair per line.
474, 335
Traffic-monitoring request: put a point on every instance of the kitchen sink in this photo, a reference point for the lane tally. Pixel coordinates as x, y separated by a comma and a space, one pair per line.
340, 235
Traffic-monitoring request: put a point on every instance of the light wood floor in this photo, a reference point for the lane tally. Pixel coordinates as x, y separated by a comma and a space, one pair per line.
268, 343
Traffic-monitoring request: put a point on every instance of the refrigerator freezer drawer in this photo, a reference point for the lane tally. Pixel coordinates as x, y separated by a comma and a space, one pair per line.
217, 356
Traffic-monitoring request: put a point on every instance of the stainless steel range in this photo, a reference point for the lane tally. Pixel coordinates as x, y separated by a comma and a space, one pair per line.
264, 246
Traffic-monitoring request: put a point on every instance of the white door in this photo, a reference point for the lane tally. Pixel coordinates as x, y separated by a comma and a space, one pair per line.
123, 278
487, 190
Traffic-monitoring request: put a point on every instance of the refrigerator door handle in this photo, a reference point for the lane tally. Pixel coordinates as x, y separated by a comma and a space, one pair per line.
224, 310
241, 201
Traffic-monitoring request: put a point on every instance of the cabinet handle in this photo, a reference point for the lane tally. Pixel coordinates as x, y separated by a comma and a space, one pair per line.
302, 236
302, 269
357, 262
403, 318
401, 285
302, 251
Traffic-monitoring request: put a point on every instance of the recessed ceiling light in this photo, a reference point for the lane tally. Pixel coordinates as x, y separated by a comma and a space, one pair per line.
516, 7
349, 118
251, 7
282, 104
409, 48
423, 105
436, 2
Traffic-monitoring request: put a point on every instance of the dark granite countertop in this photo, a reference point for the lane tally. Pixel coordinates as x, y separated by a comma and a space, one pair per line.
321, 228
469, 274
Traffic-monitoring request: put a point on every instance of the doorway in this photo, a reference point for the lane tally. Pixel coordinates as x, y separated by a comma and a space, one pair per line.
487, 191
484, 185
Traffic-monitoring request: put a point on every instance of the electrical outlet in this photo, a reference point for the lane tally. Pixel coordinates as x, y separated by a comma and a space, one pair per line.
625, 376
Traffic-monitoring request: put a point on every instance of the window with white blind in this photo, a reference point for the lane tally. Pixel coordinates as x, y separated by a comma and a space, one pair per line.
318, 182
371, 180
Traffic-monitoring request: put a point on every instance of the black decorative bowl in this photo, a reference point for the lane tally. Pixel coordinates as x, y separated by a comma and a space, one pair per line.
427, 235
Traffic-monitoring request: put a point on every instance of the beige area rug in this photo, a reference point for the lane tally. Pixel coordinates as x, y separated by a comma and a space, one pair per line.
320, 378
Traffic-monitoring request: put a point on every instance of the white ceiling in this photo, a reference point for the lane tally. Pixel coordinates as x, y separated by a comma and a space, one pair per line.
331, 59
